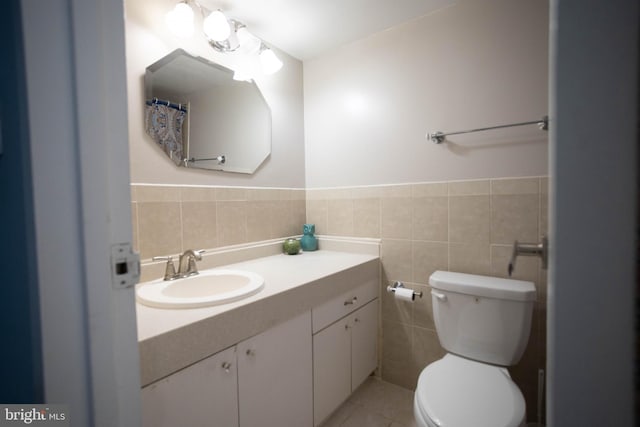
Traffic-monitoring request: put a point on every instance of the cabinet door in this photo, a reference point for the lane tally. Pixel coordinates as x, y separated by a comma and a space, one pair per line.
364, 343
204, 394
331, 369
275, 376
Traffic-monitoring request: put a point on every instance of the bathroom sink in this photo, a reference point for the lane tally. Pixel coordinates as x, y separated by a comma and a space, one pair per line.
210, 287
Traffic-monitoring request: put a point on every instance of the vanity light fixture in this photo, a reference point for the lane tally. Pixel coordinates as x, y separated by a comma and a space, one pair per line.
226, 35
216, 27
180, 20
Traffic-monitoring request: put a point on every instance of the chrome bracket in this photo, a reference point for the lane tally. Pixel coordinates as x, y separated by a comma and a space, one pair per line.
530, 249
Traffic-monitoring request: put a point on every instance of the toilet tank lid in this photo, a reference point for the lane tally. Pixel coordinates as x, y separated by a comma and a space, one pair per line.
484, 286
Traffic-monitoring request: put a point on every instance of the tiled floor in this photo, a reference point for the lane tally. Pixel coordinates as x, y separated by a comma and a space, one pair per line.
375, 404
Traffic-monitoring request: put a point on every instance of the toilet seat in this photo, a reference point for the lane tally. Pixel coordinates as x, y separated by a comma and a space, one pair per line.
458, 392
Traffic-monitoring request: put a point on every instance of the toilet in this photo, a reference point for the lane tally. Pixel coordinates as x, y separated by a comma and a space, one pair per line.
483, 323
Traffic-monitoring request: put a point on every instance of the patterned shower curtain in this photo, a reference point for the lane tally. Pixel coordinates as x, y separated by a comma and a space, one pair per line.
163, 122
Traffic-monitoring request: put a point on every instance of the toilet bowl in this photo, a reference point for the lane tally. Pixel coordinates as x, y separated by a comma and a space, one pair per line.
483, 323
457, 392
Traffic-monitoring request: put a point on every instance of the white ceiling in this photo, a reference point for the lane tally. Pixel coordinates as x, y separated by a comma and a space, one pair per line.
306, 28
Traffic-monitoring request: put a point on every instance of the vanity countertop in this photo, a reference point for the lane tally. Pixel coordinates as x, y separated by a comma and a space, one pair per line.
171, 339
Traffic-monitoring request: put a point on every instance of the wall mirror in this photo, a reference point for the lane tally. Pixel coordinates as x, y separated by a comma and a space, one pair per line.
202, 118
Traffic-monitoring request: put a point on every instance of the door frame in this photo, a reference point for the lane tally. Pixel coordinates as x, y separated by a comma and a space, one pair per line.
76, 85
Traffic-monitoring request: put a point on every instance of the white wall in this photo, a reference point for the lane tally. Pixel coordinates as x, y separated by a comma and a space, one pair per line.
369, 104
148, 40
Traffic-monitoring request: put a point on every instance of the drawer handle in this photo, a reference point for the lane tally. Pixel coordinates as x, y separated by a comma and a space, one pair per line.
250, 352
226, 366
352, 301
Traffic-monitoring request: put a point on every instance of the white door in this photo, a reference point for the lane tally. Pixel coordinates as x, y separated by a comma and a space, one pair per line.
275, 376
77, 106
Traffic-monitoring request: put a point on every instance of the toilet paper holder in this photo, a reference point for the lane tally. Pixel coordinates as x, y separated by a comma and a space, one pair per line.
396, 285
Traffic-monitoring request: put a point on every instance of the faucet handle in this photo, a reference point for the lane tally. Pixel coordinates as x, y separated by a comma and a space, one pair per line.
170, 269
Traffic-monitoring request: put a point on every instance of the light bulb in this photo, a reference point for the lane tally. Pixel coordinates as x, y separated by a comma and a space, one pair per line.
269, 61
216, 26
180, 20
249, 44
247, 67
242, 76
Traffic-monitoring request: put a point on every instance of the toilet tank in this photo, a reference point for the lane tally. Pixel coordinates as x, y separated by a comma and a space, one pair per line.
483, 318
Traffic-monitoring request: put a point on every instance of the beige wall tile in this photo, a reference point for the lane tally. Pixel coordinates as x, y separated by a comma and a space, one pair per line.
426, 346
469, 219
469, 188
366, 217
133, 191
427, 258
159, 228
430, 189
316, 194
526, 268
197, 194
199, 225
515, 186
232, 223
298, 216
260, 220
340, 217
423, 308
396, 218
262, 194
393, 191
472, 258
318, 214
401, 372
231, 193
514, 217
396, 260
283, 220
396, 340
430, 218
367, 192
339, 194
156, 193
544, 185
134, 228
298, 194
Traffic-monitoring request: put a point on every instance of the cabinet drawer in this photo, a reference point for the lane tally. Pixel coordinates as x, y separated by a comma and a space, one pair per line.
336, 308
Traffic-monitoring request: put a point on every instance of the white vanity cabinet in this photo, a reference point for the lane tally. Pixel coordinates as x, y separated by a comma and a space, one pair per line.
203, 394
345, 351
275, 382
265, 380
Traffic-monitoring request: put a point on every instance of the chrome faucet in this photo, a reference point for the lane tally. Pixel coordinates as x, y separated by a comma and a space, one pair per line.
187, 264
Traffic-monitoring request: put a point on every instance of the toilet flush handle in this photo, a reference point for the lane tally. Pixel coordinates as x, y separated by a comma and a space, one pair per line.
441, 297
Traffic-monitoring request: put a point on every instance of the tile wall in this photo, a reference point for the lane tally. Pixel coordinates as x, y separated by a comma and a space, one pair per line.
464, 226
170, 219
